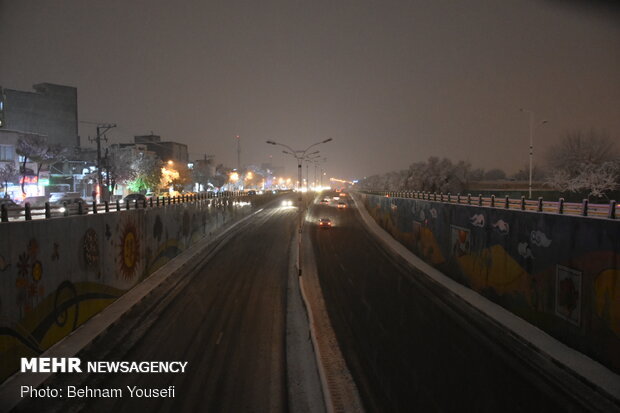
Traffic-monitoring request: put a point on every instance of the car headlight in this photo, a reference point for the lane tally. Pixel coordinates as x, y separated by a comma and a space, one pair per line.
62, 209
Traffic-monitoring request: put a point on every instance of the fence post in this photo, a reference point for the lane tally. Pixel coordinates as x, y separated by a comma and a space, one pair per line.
458, 198
118, 205
107, 206
584, 208
493, 201
95, 207
468, 199
561, 206
28, 212
449, 197
4, 214
48, 211
540, 204
522, 203
127, 204
479, 199
136, 204
80, 208
507, 202
441, 196
151, 202
144, 203
64, 205
612, 209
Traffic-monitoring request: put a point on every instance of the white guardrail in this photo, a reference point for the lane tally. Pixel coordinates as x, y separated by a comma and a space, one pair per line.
584, 208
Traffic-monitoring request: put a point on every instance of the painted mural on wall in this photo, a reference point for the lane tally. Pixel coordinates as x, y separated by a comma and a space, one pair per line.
561, 273
52, 281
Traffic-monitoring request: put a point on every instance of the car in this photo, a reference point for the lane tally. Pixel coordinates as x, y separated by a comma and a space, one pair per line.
325, 223
55, 197
132, 198
252, 192
341, 205
324, 201
35, 201
72, 204
342, 194
287, 202
13, 210
8, 202
336, 198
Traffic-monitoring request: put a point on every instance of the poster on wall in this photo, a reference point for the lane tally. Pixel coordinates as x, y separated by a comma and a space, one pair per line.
568, 294
460, 241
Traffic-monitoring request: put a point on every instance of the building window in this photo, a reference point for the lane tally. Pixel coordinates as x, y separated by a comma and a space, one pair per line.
7, 153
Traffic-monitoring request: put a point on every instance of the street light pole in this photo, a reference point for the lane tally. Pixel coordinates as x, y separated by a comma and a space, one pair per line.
300, 155
531, 156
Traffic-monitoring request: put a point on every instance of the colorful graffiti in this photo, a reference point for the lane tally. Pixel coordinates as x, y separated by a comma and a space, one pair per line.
558, 272
129, 251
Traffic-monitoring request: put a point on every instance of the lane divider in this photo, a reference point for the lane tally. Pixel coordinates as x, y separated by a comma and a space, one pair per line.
339, 390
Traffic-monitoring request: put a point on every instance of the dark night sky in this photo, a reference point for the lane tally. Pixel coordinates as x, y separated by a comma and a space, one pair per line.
391, 81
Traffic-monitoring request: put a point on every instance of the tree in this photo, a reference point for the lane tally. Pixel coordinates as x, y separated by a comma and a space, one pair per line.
434, 175
579, 148
119, 162
7, 174
494, 175
30, 146
523, 174
49, 155
148, 172
584, 162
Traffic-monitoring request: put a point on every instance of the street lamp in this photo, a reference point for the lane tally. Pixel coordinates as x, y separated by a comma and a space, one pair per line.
300, 155
531, 113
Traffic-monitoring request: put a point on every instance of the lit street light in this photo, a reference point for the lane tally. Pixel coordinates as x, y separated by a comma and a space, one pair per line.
300, 155
531, 113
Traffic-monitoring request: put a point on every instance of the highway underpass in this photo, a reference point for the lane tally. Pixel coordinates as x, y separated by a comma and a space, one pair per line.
407, 347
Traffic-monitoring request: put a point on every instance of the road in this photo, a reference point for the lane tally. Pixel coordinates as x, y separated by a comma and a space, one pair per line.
228, 321
406, 348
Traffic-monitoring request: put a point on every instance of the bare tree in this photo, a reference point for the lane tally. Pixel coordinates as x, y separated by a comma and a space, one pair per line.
30, 147
580, 148
8, 173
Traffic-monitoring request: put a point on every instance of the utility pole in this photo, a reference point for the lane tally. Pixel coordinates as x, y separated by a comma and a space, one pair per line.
101, 131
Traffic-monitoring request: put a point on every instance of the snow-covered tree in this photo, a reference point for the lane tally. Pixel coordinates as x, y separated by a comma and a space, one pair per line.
586, 163
30, 147
8, 173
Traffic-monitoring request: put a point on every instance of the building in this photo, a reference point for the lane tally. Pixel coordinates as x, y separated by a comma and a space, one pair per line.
166, 151
51, 111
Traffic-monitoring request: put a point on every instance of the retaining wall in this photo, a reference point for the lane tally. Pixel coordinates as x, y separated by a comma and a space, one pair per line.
560, 273
57, 273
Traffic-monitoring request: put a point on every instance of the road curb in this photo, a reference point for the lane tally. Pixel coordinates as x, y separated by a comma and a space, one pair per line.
88, 332
587, 372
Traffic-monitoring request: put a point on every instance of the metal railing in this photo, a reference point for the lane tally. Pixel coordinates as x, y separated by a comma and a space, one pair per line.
48, 211
584, 208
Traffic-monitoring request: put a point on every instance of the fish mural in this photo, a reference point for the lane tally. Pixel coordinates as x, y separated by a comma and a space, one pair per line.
539, 239
502, 227
477, 220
